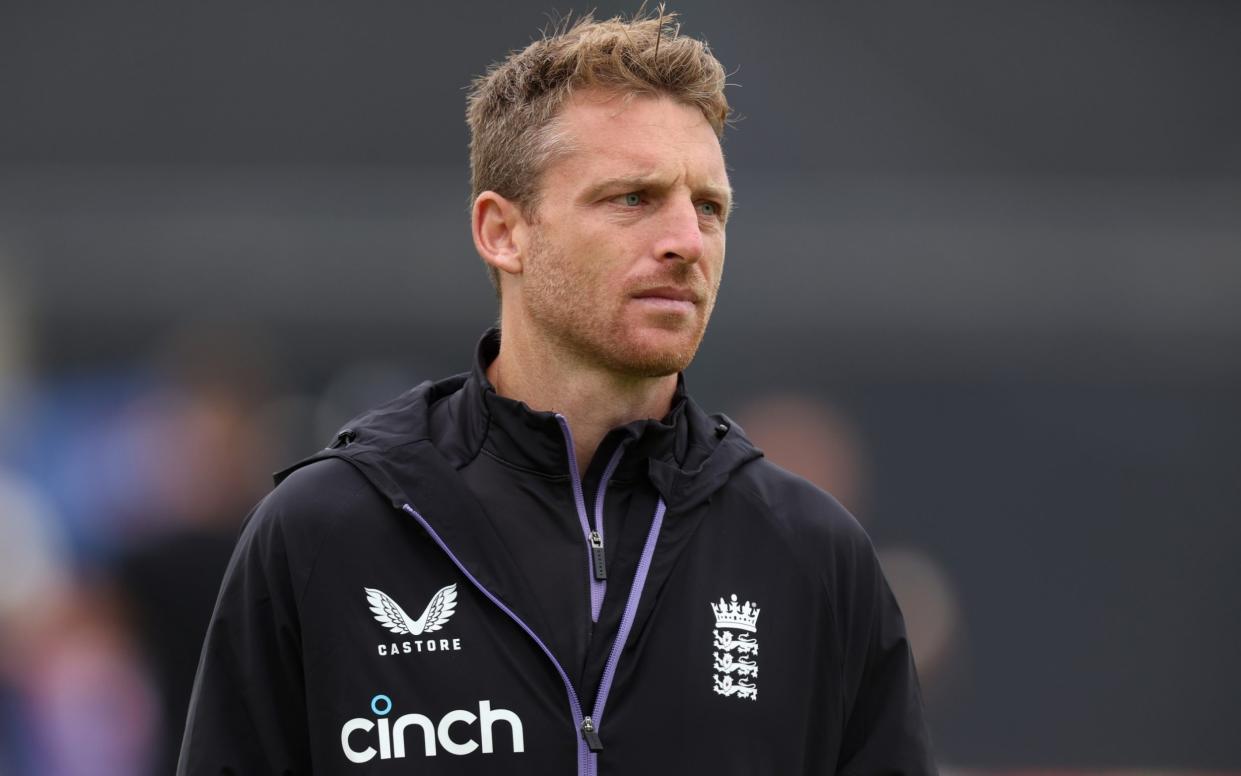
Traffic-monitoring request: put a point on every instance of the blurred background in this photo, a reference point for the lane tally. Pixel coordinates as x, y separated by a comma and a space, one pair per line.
984, 284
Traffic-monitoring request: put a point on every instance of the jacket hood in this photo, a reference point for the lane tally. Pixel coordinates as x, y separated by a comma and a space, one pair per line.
396, 444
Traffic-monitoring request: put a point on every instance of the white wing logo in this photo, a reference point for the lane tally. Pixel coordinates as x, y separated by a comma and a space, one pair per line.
390, 614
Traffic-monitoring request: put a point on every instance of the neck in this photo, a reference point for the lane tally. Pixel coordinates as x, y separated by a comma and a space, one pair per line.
593, 400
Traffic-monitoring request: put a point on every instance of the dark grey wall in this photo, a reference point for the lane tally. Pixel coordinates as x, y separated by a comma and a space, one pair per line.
957, 87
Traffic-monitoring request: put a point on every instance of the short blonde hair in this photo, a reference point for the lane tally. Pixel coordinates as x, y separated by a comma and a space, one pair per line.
512, 109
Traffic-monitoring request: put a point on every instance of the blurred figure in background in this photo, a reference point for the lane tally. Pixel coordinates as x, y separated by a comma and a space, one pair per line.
822, 443
814, 440
74, 696
90, 706
207, 463
33, 579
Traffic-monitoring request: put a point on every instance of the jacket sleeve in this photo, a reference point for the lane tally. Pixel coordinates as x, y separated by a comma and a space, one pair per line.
248, 709
885, 732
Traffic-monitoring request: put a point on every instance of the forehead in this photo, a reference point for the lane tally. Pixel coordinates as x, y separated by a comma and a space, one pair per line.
607, 134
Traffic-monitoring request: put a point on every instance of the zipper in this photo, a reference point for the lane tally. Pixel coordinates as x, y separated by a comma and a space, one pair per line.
600, 561
596, 557
589, 744
622, 636
593, 742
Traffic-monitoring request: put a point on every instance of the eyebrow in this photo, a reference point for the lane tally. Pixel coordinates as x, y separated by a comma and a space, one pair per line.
632, 183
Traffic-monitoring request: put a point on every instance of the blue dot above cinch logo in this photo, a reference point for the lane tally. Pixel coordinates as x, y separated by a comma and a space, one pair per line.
375, 705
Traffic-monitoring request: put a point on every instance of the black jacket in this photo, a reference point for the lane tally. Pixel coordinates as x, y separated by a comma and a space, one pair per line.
440, 592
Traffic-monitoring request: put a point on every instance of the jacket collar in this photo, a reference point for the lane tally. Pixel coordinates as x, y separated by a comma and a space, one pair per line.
687, 455
533, 440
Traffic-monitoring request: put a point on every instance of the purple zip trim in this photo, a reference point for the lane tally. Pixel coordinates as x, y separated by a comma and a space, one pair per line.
596, 602
584, 757
598, 587
626, 625
603, 486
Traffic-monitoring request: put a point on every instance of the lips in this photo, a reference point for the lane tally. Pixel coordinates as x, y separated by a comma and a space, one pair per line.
671, 293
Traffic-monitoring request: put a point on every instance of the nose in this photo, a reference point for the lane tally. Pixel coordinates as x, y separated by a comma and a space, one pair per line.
680, 234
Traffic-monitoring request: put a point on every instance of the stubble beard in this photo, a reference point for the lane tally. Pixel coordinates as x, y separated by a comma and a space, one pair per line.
594, 335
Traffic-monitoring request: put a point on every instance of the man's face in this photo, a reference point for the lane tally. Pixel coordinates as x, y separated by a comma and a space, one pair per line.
628, 241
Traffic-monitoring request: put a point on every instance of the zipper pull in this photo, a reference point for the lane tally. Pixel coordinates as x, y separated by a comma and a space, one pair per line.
591, 735
597, 558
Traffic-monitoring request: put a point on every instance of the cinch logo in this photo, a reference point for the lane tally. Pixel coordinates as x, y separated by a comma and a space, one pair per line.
391, 734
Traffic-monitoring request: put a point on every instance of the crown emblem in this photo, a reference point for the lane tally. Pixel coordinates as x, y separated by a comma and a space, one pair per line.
733, 615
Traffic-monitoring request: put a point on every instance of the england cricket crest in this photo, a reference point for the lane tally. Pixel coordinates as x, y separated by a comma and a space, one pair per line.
735, 654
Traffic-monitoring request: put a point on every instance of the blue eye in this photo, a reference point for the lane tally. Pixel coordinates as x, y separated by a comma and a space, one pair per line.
708, 208
633, 199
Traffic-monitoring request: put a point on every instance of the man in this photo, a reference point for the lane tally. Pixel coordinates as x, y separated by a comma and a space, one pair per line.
557, 561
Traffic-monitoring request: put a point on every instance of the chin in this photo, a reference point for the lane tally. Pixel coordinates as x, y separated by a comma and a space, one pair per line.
657, 366
660, 355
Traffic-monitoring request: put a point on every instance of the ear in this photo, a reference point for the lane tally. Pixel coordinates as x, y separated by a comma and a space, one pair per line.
499, 232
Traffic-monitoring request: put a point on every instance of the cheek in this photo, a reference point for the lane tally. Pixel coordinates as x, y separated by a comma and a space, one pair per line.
576, 269
597, 262
713, 262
